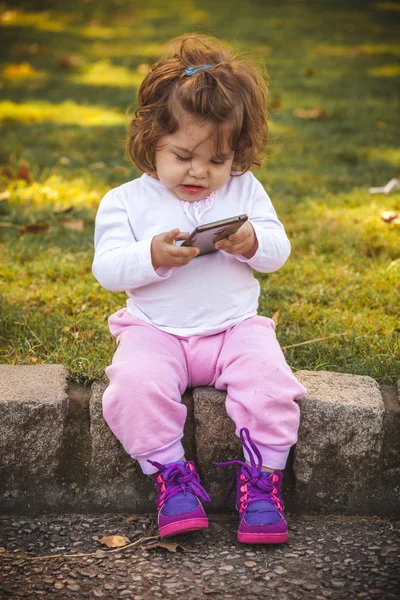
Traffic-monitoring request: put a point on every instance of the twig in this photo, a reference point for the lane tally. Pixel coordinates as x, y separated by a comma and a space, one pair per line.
26, 557
315, 340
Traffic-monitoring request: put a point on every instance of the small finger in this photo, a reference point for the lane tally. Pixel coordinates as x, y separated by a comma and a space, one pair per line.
182, 236
189, 251
171, 236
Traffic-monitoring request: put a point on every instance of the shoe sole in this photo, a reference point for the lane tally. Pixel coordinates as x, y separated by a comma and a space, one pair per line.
263, 538
183, 527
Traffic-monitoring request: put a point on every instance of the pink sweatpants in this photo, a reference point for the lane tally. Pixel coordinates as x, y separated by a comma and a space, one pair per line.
151, 370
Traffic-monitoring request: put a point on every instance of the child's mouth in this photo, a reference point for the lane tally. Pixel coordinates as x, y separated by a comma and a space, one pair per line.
192, 189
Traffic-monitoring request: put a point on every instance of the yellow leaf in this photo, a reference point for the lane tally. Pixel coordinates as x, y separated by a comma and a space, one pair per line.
114, 541
310, 113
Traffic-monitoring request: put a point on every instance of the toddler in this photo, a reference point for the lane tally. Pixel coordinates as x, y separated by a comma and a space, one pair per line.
190, 320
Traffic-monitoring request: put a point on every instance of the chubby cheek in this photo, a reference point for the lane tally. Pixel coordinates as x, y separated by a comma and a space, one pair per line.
170, 176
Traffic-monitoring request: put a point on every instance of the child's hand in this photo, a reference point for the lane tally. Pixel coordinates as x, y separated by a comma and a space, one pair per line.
243, 241
164, 252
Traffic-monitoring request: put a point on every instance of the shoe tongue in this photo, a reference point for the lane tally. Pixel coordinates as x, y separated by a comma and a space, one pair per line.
176, 462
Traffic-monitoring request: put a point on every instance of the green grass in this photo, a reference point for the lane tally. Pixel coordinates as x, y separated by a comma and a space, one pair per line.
68, 123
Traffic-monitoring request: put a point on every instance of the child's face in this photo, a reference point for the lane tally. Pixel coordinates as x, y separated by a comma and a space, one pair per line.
187, 163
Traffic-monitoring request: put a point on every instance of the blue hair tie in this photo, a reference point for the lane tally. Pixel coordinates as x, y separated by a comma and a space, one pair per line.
193, 70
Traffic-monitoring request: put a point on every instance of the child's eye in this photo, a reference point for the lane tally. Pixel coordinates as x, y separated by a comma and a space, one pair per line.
182, 158
218, 162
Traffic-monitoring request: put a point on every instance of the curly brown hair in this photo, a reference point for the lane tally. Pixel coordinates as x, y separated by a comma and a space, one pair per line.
233, 91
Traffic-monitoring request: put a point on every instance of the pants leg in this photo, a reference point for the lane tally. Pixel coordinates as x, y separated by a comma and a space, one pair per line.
142, 404
261, 388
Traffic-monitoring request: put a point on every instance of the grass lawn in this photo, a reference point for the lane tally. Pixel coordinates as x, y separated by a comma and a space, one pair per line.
68, 73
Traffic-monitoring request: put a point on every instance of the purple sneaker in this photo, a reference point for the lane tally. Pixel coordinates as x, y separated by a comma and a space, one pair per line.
258, 499
179, 496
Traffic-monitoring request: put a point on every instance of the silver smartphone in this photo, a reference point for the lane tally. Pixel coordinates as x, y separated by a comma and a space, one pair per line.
205, 236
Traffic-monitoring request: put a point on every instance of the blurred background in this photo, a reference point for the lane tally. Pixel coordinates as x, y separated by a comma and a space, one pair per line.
69, 73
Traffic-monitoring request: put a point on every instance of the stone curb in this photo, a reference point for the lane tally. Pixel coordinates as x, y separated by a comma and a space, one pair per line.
57, 453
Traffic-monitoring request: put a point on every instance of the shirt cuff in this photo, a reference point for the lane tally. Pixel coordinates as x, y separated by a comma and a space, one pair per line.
258, 252
148, 273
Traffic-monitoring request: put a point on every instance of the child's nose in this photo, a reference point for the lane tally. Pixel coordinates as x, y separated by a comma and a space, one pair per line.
197, 169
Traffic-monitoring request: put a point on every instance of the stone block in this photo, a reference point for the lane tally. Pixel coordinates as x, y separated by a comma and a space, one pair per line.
334, 466
338, 452
215, 441
116, 481
33, 412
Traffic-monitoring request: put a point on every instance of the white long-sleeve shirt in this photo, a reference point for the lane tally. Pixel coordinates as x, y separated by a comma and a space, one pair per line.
210, 294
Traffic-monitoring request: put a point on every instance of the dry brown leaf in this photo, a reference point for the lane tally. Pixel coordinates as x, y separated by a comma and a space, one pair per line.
70, 62
114, 541
276, 104
77, 225
24, 173
275, 317
143, 69
264, 50
5, 194
34, 228
170, 546
356, 51
128, 519
389, 216
121, 171
309, 113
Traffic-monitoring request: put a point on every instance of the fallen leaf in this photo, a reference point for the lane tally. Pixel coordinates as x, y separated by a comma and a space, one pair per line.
143, 69
389, 215
34, 228
356, 51
77, 225
114, 541
170, 546
121, 171
207, 590
309, 113
70, 62
276, 104
263, 50
24, 173
5, 194
275, 316
128, 519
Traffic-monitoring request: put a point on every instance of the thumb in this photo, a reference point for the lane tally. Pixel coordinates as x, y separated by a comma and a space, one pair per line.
171, 236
